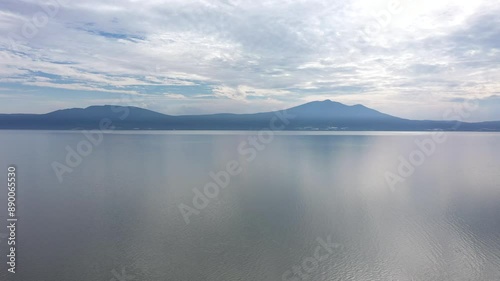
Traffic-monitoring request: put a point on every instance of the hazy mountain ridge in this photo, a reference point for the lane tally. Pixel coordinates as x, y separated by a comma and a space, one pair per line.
318, 115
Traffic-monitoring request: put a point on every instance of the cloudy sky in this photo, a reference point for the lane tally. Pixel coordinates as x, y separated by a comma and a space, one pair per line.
413, 59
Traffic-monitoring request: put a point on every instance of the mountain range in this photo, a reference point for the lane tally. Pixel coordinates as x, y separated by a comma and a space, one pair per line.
317, 115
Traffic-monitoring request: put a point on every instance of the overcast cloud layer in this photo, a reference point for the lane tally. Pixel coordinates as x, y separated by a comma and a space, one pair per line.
413, 59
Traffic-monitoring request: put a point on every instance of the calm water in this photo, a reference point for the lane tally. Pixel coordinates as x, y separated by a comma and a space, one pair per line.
118, 211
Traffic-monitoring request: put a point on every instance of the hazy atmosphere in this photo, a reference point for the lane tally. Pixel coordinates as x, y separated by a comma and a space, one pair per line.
412, 59
260, 140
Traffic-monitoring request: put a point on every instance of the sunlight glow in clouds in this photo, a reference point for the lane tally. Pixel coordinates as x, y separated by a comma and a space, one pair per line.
246, 56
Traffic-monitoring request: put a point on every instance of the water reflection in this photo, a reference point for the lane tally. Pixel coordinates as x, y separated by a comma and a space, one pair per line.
119, 208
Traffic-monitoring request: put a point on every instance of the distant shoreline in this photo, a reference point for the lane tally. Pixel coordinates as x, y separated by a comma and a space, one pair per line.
325, 116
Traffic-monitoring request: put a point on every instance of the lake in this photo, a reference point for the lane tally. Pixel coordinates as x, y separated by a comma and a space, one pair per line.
152, 205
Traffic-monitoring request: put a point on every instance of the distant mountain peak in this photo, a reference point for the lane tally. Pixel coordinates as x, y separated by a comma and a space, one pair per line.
315, 115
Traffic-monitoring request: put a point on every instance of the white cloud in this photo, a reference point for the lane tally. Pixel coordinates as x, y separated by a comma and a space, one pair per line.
282, 51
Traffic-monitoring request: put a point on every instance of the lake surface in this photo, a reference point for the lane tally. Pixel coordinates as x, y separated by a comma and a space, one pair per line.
117, 215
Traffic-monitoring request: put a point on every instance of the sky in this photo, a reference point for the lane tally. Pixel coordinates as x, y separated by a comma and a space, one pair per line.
413, 59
